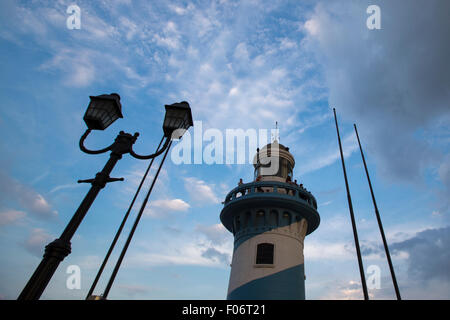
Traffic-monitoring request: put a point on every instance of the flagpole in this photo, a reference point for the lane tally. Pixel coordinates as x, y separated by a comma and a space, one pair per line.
352, 216
380, 225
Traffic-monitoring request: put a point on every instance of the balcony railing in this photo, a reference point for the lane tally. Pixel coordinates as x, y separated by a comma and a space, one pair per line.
271, 188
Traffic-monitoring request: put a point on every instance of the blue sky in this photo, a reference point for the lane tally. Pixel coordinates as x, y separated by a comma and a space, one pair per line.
242, 65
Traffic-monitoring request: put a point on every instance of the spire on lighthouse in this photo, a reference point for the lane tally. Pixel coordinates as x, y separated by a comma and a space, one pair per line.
275, 135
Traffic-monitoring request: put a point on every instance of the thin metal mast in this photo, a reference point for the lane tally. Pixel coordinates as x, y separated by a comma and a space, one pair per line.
116, 237
352, 216
380, 225
133, 229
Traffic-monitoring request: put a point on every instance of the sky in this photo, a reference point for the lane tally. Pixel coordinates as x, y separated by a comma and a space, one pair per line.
240, 65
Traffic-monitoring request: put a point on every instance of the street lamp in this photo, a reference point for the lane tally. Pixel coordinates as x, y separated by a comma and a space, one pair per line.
102, 111
177, 120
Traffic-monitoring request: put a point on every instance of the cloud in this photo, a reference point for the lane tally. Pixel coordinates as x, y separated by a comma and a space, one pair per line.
133, 289
161, 208
178, 10
326, 203
65, 186
90, 262
205, 245
428, 254
216, 233
370, 249
311, 122
328, 157
11, 216
37, 241
286, 44
200, 192
175, 252
390, 81
82, 57
218, 244
216, 255
350, 290
240, 70
11, 190
134, 176
444, 195
318, 250
329, 192
78, 66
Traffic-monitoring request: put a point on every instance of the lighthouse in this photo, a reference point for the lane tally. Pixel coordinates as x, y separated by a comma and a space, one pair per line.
269, 218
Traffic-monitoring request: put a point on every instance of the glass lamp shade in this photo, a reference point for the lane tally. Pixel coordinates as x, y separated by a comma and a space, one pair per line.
102, 111
178, 116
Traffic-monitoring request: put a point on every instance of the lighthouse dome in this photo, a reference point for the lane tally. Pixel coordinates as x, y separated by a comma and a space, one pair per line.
273, 162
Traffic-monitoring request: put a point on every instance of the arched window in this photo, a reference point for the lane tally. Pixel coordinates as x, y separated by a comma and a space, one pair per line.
264, 253
273, 218
237, 223
247, 220
260, 220
286, 219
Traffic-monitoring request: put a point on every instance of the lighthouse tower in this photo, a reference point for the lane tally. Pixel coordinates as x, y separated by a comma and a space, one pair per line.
269, 219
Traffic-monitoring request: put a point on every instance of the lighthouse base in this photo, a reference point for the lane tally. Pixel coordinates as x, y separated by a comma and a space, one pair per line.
288, 284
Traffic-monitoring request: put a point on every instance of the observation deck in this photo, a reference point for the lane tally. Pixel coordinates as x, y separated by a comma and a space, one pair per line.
266, 194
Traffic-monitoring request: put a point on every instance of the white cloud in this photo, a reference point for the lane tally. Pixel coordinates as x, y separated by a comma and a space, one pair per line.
178, 10
25, 196
77, 66
37, 241
96, 29
65, 186
205, 245
175, 253
130, 26
133, 289
286, 44
200, 192
216, 233
350, 290
327, 157
134, 176
312, 26
11, 216
315, 250
90, 262
161, 208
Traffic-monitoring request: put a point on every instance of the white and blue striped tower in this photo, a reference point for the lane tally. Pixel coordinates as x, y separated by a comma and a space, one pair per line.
269, 219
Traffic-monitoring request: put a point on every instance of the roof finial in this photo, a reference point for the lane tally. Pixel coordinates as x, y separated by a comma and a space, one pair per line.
275, 133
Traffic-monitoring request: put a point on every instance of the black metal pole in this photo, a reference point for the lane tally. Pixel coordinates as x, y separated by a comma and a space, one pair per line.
57, 250
352, 216
119, 231
380, 224
133, 229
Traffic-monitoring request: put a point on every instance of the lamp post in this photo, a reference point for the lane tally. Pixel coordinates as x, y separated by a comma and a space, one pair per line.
102, 111
178, 118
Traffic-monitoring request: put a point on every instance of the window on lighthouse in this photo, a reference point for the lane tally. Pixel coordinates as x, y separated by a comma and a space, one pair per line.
264, 253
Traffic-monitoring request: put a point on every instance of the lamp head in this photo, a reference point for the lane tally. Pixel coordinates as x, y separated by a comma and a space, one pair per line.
178, 116
102, 111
